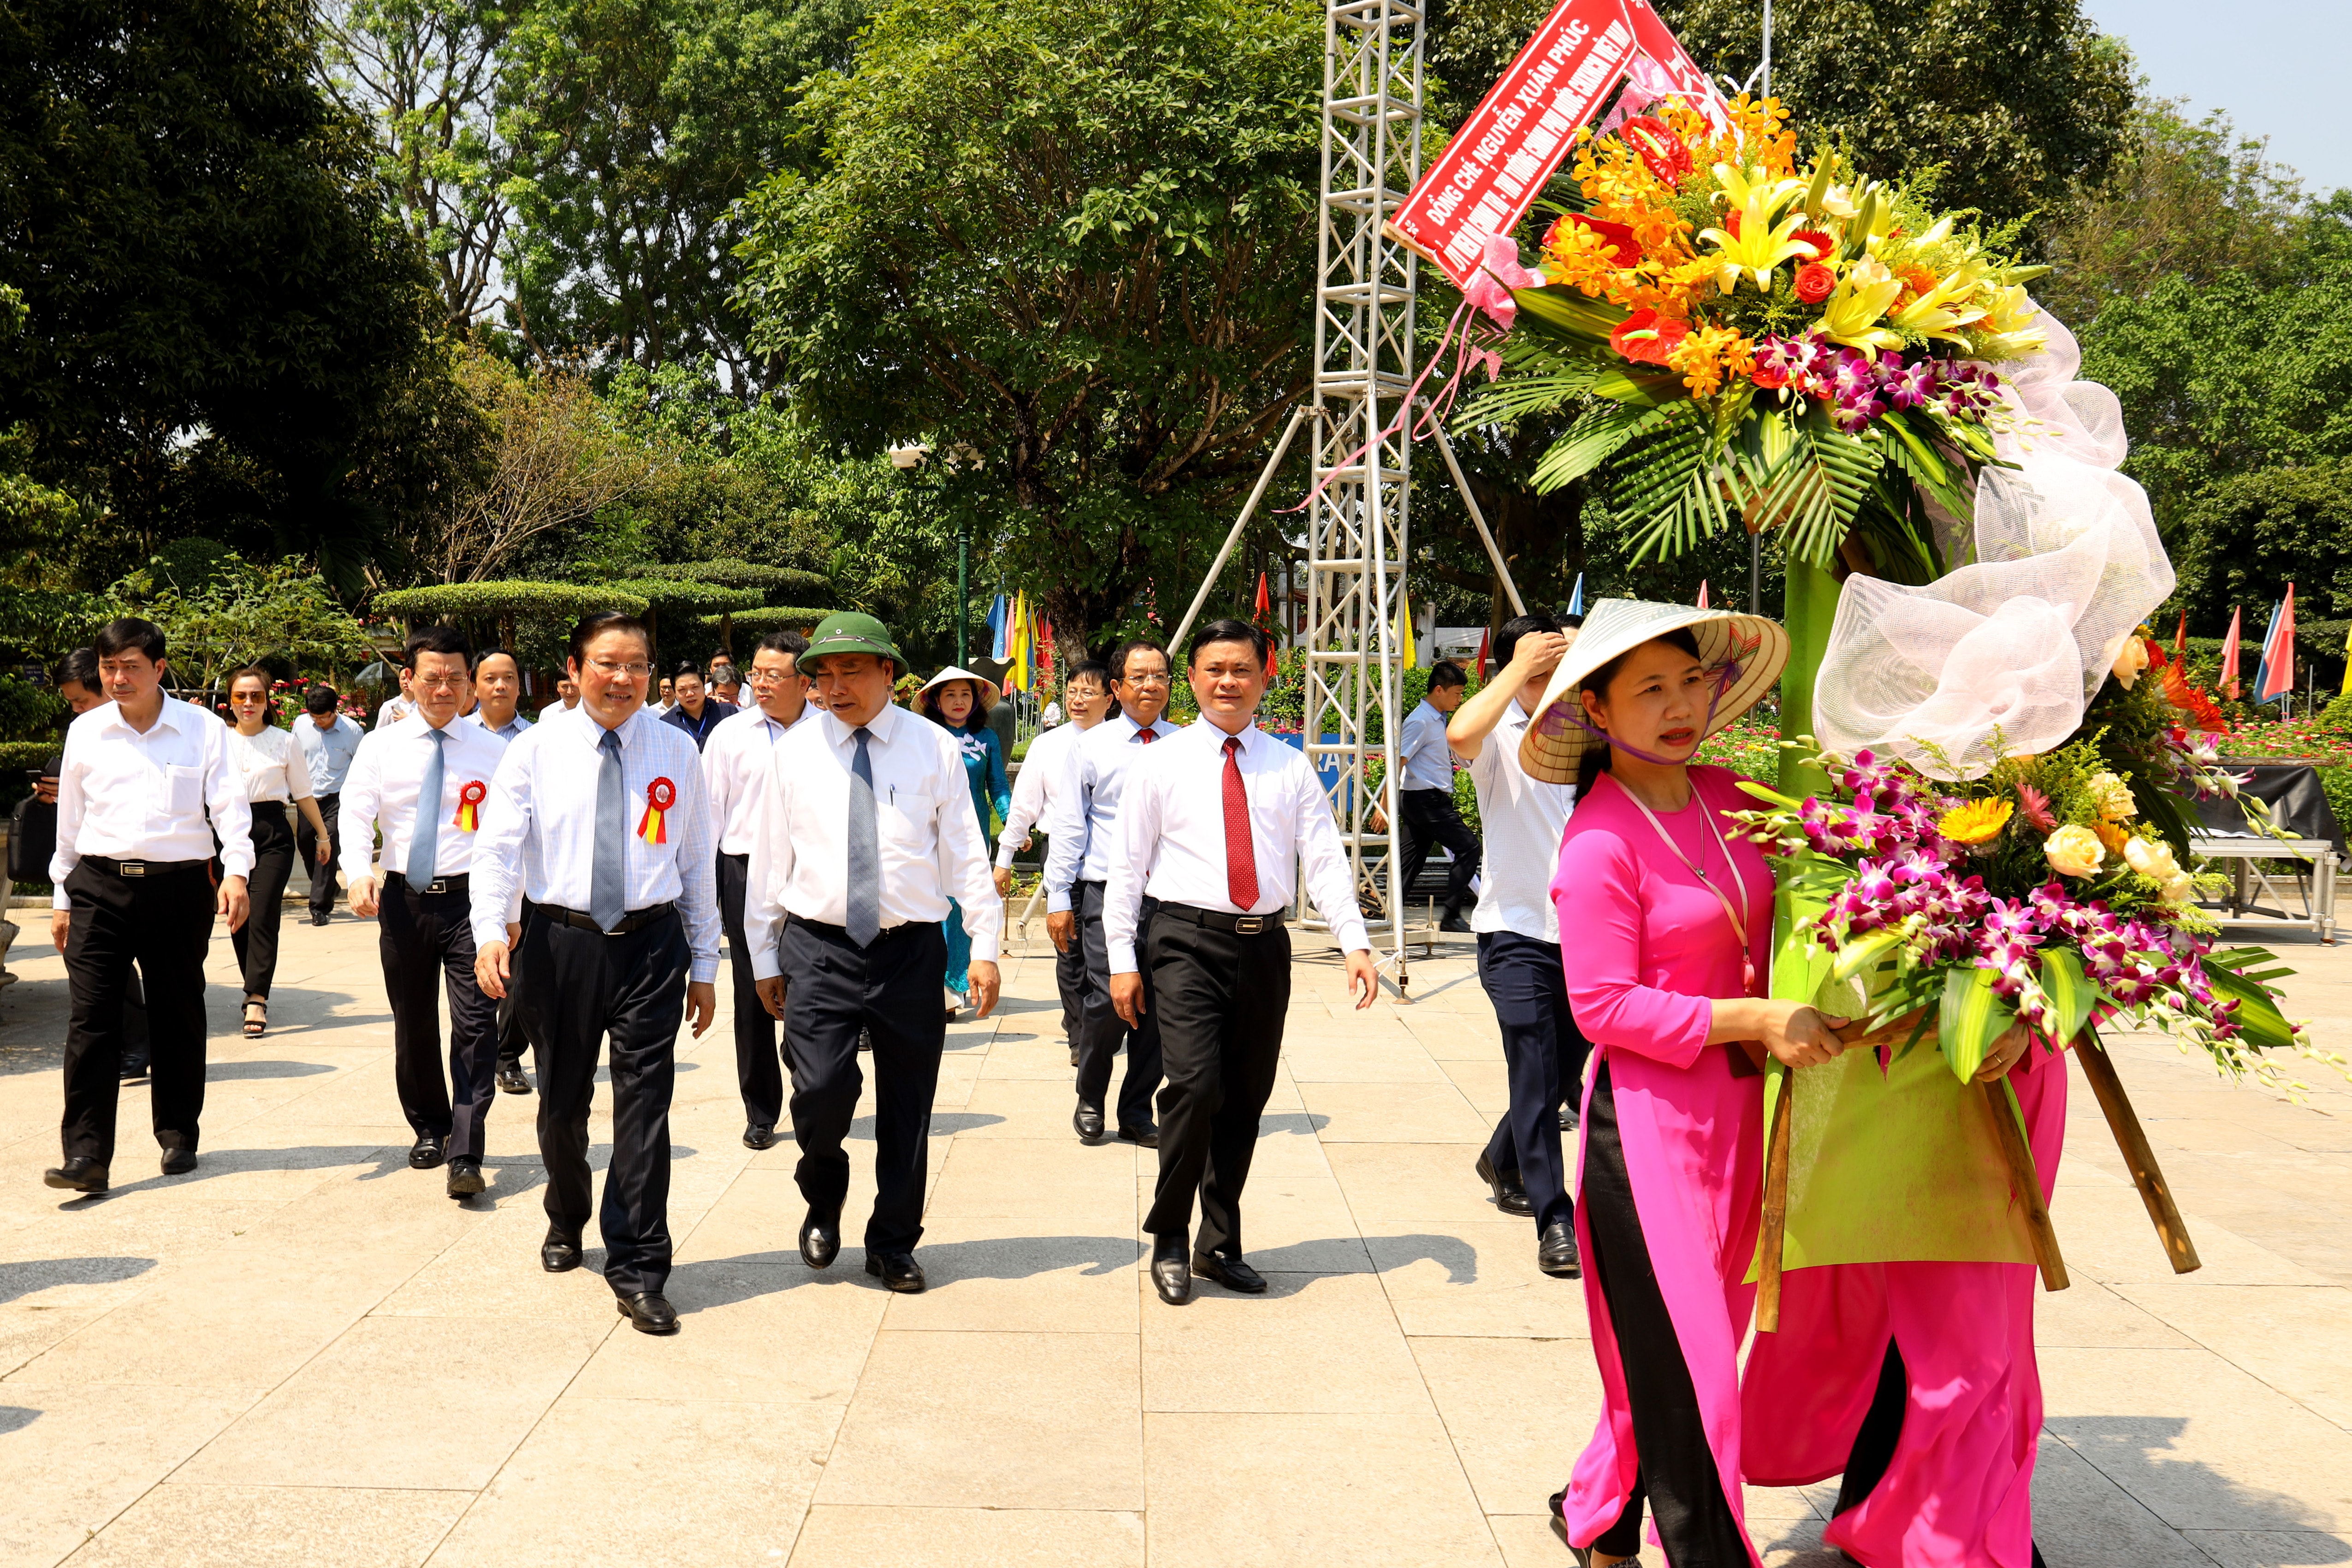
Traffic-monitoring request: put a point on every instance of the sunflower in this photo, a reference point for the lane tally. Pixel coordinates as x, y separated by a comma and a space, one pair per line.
1978, 822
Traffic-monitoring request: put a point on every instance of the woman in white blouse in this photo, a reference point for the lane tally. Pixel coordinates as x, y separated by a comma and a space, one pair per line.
274, 774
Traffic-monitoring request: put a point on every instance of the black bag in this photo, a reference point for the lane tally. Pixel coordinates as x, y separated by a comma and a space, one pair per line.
32, 840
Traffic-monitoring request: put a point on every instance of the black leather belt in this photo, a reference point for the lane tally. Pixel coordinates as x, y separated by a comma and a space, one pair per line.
438, 884
143, 868
635, 920
1217, 920
888, 932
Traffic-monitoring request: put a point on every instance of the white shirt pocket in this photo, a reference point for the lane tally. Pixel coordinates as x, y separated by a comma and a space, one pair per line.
183, 790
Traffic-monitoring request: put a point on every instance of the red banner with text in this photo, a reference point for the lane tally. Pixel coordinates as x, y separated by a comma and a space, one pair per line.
1489, 176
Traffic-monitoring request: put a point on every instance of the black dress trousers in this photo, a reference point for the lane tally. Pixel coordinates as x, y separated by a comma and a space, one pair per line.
255, 941
1545, 1053
1220, 999
759, 1070
578, 989
890, 990
512, 1038
425, 937
306, 846
1431, 817
1679, 1474
1101, 1030
164, 922
1070, 980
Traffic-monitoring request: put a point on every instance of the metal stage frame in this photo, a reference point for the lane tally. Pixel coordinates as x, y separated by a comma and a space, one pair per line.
1358, 529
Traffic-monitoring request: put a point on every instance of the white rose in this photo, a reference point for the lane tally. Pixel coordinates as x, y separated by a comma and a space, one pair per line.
2178, 888
2114, 797
2073, 851
2150, 858
2130, 660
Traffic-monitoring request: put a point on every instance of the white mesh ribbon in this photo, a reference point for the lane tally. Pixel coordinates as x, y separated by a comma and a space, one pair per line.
2001, 655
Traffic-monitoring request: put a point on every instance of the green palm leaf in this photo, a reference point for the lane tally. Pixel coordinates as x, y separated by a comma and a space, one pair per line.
1592, 441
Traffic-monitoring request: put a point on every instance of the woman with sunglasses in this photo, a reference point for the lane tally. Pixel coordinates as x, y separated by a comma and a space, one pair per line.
276, 774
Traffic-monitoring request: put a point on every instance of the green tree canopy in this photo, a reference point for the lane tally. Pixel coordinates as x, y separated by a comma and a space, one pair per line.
1073, 241
2021, 103
218, 315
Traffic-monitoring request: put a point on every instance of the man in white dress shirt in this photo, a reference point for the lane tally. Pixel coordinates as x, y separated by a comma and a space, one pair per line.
1426, 795
1211, 828
1087, 688
1084, 837
600, 814
145, 783
866, 831
423, 784
1519, 936
735, 768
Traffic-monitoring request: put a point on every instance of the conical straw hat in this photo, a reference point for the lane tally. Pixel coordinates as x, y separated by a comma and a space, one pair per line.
1751, 648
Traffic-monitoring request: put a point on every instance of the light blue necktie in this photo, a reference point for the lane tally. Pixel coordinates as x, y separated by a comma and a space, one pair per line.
608, 886
864, 922
425, 836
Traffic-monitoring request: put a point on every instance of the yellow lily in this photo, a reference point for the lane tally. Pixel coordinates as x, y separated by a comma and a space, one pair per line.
1850, 315
2009, 329
1943, 308
1761, 245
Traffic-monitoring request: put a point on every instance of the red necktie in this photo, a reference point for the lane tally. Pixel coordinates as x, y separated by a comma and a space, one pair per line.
1146, 736
1241, 853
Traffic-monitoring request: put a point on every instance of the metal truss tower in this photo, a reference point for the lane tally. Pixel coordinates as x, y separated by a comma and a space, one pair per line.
1358, 530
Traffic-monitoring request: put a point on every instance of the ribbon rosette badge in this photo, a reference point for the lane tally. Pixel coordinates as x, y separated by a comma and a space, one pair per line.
660, 795
469, 801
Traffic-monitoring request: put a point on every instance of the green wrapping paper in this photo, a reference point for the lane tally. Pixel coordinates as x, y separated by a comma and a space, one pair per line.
1891, 1159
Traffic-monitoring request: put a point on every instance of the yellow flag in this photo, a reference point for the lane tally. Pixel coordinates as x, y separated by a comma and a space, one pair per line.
1016, 645
2347, 663
1404, 633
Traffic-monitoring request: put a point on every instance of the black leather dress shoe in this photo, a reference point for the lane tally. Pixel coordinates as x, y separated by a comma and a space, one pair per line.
134, 1070
1453, 922
649, 1313
820, 1240
466, 1178
1169, 1275
1567, 1117
897, 1271
79, 1174
1147, 1136
1556, 1253
1510, 1196
756, 1137
560, 1253
1073, 1056
1230, 1272
179, 1162
512, 1081
1088, 1121
426, 1153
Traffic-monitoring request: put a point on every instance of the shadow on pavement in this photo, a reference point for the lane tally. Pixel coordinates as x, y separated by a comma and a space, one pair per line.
44, 1273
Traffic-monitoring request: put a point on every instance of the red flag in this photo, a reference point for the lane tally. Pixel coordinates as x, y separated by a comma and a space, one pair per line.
2180, 640
1045, 645
1263, 617
1702, 593
1484, 637
2229, 681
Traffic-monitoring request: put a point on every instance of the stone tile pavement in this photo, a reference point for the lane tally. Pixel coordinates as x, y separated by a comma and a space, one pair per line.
304, 1353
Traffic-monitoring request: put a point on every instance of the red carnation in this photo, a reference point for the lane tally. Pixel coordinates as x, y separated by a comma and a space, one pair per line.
1815, 283
1667, 155
1647, 338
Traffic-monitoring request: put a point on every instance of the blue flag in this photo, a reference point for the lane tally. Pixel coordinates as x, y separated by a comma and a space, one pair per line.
1000, 625
1576, 599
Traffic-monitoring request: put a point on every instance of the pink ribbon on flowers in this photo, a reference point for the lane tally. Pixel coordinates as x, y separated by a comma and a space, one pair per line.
1489, 289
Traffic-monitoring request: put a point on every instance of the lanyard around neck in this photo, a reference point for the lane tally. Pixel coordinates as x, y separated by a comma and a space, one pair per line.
1738, 924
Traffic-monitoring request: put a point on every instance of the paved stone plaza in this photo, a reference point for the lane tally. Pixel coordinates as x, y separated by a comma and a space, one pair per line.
304, 1353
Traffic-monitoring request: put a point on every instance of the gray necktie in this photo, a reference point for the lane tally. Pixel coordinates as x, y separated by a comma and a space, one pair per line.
424, 834
608, 886
864, 849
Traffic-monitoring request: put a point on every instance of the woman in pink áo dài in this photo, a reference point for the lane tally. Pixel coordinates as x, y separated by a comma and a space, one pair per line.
1669, 920
1917, 1380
